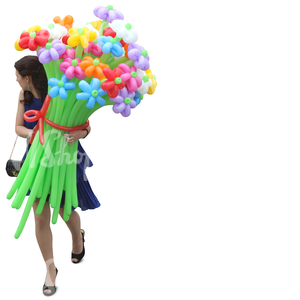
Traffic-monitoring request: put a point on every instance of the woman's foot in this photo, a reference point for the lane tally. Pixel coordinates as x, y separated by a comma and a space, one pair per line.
50, 280
77, 245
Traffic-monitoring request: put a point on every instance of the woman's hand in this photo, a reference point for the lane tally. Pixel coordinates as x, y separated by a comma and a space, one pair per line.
30, 133
74, 136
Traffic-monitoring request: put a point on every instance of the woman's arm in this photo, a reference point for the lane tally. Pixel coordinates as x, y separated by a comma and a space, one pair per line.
76, 135
20, 128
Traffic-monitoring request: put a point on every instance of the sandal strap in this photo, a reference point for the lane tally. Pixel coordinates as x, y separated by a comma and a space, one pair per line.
51, 288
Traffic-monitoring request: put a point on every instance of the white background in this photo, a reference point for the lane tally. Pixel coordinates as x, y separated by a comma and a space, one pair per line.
199, 187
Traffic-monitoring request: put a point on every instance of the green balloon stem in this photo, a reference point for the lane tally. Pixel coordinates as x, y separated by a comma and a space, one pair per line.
79, 51
129, 63
118, 61
104, 58
103, 26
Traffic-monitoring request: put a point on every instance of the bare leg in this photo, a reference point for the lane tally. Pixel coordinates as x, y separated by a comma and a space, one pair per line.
44, 238
74, 226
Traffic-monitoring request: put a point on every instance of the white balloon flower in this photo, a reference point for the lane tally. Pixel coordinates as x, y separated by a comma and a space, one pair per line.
147, 82
57, 31
124, 31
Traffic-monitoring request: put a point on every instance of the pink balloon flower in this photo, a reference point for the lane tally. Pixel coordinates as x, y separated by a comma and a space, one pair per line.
69, 53
71, 68
93, 48
133, 82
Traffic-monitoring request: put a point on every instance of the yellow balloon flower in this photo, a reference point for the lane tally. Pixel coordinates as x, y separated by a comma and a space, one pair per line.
34, 28
154, 82
81, 36
17, 47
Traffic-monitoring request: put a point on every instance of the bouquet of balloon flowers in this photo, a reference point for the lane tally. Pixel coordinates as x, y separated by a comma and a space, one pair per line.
88, 66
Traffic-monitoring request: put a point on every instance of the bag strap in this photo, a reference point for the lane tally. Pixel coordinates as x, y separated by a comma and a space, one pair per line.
15, 145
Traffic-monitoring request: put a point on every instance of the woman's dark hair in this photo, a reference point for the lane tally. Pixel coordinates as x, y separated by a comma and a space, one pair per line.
30, 66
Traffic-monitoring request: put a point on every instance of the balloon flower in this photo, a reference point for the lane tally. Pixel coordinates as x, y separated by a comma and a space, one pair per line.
86, 70
108, 13
124, 102
67, 21
71, 67
34, 39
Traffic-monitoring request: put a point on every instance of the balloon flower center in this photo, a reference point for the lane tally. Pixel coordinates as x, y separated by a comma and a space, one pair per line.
127, 100
118, 80
95, 42
48, 46
109, 7
128, 26
74, 63
51, 26
96, 62
32, 34
80, 31
145, 78
133, 74
95, 93
144, 53
61, 83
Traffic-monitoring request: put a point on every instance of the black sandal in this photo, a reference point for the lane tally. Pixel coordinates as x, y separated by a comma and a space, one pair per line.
51, 288
80, 255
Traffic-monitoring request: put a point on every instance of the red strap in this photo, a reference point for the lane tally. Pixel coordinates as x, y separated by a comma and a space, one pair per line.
40, 117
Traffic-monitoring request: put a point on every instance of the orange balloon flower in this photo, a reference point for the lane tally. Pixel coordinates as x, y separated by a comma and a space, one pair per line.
67, 21
93, 67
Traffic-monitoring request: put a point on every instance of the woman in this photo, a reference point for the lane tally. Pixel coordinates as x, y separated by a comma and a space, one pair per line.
32, 78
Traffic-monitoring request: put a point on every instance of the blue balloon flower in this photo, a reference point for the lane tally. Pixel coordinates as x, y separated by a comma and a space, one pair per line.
110, 45
60, 87
92, 92
138, 97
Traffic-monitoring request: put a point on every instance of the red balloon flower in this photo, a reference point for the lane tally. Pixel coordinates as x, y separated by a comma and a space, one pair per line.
34, 39
113, 83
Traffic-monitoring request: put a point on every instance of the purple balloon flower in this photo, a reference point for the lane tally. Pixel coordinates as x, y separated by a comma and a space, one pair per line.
124, 102
139, 55
107, 13
51, 51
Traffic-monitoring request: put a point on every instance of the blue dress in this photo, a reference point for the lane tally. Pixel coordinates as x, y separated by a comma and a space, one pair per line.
86, 197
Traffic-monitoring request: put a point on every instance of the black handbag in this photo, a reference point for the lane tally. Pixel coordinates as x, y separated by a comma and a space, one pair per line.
13, 167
